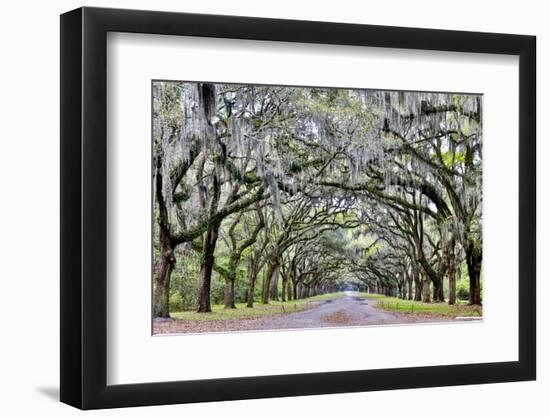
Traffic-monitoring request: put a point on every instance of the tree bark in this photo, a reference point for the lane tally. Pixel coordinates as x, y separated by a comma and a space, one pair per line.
289, 289
252, 277
271, 267
435, 277
418, 291
300, 290
207, 266
230, 293
265, 287
274, 284
438, 294
229, 275
425, 288
167, 261
161, 304
451, 270
410, 286
283, 290
473, 261
209, 243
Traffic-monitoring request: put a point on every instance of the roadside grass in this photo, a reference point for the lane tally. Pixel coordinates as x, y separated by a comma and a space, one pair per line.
219, 312
394, 304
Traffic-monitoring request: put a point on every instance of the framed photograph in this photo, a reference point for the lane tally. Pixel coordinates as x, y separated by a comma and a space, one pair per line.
257, 208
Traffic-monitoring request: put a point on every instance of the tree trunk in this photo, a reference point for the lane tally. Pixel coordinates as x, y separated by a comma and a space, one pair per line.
271, 267
438, 294
264, 285
204, 288
289, 289
473, 261
230, 293
252, 275
425, 288
167, 261
161, 304
418, 291
430, 274
207, 265
300, 290
274, 284
451, 270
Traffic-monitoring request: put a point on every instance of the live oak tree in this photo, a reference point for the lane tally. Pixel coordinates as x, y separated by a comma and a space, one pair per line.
237, 247
292, 180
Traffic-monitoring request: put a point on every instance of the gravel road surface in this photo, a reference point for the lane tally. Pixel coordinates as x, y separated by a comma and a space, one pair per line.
337, 312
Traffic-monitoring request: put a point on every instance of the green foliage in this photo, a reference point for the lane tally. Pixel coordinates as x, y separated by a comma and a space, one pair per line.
357, 187
185, 281
463, 284
176, 302
452, 158
217, 289
463, 289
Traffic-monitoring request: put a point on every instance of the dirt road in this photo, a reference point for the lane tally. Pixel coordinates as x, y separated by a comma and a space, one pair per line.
337, 312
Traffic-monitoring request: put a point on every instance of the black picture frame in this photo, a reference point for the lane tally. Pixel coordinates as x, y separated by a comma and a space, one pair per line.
84, 207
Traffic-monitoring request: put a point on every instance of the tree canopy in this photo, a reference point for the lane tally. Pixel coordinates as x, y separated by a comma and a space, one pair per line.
273, 192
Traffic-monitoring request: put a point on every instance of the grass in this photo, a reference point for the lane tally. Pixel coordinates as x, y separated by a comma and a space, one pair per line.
219, 312
398, 305
392, 304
